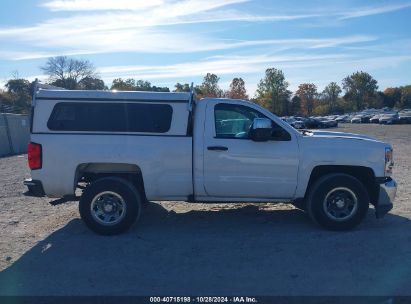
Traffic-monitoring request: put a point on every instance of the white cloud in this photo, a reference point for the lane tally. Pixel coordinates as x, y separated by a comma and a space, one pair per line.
180, 8
115, 30
190, 7
222, 65
93, 5
62, 38
147, 27
363, 12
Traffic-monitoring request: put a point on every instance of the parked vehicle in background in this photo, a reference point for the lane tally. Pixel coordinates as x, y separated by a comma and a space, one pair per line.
389, 119
342, 118
313, 123
328, 123
123, 149
299, 118
298, 124
356, 119
380, 116
295, 123
405, 117
375, 118
361, 118
366, 118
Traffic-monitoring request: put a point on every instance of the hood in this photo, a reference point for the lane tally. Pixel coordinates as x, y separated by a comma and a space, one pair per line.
317, 133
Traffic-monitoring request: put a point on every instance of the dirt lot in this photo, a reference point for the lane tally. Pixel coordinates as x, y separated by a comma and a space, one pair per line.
197, 249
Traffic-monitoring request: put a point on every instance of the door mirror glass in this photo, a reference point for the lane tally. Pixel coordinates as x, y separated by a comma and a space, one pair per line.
261, 129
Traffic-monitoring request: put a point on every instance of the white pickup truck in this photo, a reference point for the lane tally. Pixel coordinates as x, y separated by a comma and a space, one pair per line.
126, 148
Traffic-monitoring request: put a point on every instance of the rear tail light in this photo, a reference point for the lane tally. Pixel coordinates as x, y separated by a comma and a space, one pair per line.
34, 156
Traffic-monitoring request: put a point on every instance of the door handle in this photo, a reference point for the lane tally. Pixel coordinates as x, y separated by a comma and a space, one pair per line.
217, 148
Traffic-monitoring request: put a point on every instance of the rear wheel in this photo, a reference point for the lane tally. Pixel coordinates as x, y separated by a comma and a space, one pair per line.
110, 206
338, 202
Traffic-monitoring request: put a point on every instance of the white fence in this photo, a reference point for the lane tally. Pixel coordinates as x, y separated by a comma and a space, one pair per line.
14, 133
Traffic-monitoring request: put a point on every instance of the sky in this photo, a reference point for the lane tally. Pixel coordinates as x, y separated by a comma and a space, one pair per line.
170, 41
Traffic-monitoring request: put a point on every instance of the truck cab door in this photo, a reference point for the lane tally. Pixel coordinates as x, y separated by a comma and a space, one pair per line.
236, 166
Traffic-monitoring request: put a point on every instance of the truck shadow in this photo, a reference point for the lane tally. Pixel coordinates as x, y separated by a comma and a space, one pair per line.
242, 251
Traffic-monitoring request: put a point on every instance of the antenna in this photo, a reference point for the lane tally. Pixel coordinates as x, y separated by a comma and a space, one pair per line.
191, 101
35, 88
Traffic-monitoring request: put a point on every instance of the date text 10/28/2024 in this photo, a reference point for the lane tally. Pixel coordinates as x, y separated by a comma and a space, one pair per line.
203, 300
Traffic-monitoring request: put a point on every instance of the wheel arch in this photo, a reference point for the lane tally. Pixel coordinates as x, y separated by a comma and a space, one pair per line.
364, 174
90, 172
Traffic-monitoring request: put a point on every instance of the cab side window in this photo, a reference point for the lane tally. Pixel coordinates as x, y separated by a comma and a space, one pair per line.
234, 121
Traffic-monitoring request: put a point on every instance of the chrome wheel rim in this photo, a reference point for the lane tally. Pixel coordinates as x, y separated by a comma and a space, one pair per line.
108, 208
340, 204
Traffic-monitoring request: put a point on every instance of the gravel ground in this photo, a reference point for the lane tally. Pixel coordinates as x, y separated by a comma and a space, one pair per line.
191, 249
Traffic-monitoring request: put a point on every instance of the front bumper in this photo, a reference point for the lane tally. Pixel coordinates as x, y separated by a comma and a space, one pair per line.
35, 187
388, 190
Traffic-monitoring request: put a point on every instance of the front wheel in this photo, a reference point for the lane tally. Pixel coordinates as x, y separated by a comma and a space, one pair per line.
110, 206
338, 202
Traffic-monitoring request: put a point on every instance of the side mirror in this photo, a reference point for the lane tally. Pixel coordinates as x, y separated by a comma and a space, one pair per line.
261, 129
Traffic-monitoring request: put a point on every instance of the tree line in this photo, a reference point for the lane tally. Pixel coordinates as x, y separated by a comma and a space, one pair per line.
357, 91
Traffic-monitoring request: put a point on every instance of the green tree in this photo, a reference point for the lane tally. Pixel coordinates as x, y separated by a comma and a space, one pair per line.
143, 85
131, 84
160, 89
330, 94
123, 85
19, 86
359, 87
68, 72
237, 89
91, 83
344, 106
182, 87
375, 101
67, 83
272, 92
17, 97
405, 97
321, 109
295, 105
392, 97
307, 93
209, 87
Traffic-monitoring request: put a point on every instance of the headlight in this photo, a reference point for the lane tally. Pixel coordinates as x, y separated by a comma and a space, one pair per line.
389, 162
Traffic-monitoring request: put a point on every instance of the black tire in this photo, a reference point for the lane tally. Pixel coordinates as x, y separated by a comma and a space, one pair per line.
121, 191
335, 186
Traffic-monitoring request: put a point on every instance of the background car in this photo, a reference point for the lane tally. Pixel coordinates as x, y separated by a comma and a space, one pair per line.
342, 118
313, 123
356, 119
296, 123
404, 116
389, 119
375, 118
329, 123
